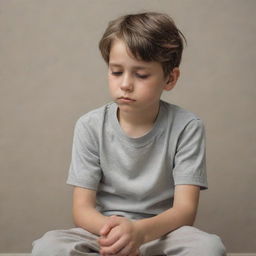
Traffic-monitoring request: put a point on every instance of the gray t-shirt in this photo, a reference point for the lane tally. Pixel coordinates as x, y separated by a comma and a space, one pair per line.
135, 177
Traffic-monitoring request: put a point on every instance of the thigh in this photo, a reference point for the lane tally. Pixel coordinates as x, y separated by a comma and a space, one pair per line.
186, 240
75, 241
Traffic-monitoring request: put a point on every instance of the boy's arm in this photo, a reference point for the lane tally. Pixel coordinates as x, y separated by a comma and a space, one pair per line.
182, 213
84, 213
131, 234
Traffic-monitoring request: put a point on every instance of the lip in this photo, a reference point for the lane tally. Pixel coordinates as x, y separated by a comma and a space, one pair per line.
126, 99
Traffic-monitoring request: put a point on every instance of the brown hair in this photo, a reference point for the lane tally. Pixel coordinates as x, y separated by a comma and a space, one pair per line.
149, 36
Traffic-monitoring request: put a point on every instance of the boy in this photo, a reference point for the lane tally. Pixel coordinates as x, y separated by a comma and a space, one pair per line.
138, 163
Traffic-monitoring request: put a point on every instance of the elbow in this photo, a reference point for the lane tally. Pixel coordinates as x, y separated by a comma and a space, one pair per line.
190, 216
187, 216
76, 222
190, 221
76, 217
187, 220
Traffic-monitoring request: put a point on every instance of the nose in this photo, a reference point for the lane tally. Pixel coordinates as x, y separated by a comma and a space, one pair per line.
126, 83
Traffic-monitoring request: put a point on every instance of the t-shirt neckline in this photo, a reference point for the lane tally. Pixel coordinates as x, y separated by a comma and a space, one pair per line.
144, 139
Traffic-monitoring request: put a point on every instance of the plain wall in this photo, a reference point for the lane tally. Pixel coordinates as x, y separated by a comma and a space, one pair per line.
51, 73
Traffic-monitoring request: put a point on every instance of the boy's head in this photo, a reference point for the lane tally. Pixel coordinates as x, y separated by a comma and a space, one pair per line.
149, 37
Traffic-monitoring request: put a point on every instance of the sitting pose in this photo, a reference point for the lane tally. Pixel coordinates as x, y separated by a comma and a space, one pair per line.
138, 163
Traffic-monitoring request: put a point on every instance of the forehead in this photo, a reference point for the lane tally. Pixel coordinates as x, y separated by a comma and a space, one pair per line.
120, 56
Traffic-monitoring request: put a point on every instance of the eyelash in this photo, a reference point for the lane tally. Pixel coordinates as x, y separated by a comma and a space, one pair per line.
138, 75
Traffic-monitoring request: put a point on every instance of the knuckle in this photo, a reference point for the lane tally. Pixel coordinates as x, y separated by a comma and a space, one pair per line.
114, 250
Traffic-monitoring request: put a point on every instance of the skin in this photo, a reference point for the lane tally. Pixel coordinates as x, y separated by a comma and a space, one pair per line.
136, 87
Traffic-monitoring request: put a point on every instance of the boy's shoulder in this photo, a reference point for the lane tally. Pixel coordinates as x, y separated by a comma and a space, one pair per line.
179, 114
95, 116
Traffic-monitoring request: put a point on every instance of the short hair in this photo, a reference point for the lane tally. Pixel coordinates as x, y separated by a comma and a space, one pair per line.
150, 36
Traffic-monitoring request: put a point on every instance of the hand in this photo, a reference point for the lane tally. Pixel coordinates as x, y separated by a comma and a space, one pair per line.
120, 237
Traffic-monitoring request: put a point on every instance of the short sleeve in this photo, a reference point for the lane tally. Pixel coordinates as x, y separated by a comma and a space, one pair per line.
190, 159
84, 168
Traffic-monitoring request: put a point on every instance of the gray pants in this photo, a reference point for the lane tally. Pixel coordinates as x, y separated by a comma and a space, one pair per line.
185, 241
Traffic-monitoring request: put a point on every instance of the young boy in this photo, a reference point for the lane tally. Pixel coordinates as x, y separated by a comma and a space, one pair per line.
138, 163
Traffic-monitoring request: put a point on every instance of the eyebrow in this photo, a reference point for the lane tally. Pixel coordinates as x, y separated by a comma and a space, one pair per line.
134, 67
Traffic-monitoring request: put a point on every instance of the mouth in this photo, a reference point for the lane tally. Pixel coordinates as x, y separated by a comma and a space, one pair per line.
127, 99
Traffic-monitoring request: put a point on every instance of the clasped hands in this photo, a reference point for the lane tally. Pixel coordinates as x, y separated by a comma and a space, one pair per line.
120, 237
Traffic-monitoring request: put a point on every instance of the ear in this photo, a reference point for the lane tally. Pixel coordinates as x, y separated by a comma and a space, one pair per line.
172, 79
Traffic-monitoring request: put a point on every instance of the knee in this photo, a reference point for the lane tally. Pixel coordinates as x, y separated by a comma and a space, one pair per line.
47, 245
211, 245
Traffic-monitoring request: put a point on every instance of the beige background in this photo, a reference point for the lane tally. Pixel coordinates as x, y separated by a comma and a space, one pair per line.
51, 72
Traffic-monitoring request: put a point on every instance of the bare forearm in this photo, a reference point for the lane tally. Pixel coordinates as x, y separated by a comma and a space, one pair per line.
84, 210
157, 226
89, 219
182, 213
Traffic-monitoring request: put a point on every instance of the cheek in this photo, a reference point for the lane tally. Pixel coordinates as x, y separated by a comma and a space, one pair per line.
112, 86
112, 80
109, 79
151, 91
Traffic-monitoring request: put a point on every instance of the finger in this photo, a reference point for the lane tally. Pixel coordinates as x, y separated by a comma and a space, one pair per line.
126, 251
111, 223
129, 250
109, 240
105, 229
115, 248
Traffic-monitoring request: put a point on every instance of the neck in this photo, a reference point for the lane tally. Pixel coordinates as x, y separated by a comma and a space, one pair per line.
137, 123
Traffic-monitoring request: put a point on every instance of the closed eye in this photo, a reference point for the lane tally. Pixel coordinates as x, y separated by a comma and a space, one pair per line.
119, 73
142, 76
116, 73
